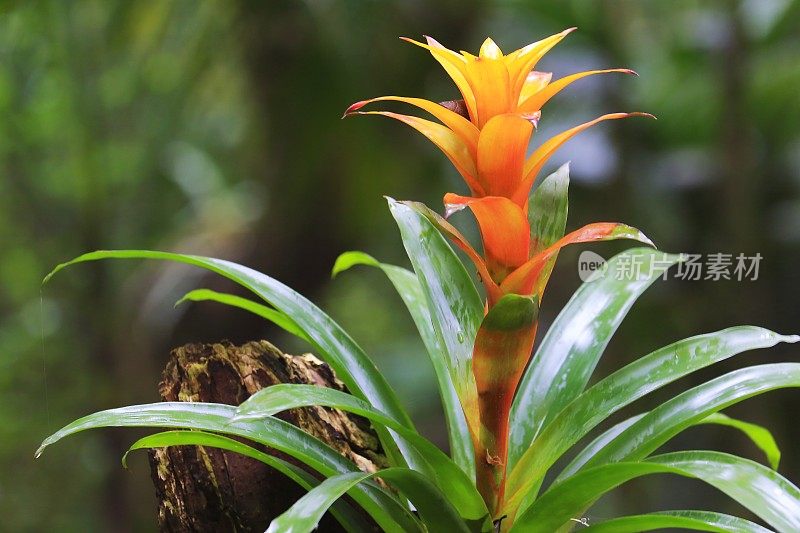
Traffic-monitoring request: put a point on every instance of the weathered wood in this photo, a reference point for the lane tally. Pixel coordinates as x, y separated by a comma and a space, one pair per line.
201, 489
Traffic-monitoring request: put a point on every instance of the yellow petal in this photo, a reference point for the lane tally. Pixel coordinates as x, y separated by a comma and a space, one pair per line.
490, 49
489, 81
536, 99
534, 82
522, 61
454, 65
537, 160
462, 127
448, 142
502, 147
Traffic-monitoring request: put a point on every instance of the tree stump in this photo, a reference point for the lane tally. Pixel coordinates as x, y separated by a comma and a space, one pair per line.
202, 489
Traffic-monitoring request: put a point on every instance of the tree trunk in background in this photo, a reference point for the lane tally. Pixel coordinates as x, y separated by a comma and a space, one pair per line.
201, 489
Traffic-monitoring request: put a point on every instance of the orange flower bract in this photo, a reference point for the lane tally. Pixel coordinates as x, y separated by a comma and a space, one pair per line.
488, 144
486, 136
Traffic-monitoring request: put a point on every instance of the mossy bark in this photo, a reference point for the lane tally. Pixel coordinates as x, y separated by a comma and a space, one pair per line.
201, 489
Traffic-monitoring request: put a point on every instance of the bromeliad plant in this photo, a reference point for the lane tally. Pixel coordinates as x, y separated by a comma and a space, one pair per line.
510, 416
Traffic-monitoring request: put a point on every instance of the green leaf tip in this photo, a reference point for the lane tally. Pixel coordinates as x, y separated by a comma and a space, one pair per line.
53, 272
347, 260
759, 435
195, 295
512, 312
623, 231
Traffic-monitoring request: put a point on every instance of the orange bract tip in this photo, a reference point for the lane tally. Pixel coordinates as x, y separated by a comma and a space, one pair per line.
354, 107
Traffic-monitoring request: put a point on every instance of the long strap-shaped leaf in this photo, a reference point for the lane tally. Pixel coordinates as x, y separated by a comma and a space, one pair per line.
570, 350
765, 492
433, 507
439, 467
626, 386
387, 511
455, 305
334, 345
759, 435
351, 520
597, 444
670, 418
273, 315
694, 520
410, 290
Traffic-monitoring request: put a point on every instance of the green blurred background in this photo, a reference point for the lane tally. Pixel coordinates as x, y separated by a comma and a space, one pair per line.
213, 128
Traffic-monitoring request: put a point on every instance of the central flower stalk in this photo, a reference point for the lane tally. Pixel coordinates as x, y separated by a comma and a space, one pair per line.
486, 135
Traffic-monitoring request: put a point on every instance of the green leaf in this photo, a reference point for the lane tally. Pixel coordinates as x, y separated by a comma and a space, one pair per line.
348, 260
595, 446
570, 350
760, 435
387, 511
341, 510
455, 306
276, 317
329, 340
670, 418
437, 465
624, 387
547, 215
410, 290
695, 520
434, 509
774, 499
548, 208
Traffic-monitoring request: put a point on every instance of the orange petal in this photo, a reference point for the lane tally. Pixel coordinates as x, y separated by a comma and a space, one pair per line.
454, 65
536, 100
462, 127
490, 84
525, 280
448, 142
492, 289
522, 61
502, 147
504, 230
534, 82
537, 160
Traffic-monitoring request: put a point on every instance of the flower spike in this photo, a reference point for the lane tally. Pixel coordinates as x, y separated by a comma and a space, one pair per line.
486, 136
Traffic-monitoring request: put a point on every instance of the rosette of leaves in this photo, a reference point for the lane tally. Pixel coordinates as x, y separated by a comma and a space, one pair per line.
554, 409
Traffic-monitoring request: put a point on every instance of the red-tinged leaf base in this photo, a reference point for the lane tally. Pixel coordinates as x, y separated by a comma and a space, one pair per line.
502, 349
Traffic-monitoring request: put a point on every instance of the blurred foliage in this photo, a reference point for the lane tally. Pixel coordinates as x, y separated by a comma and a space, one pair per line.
213, 127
